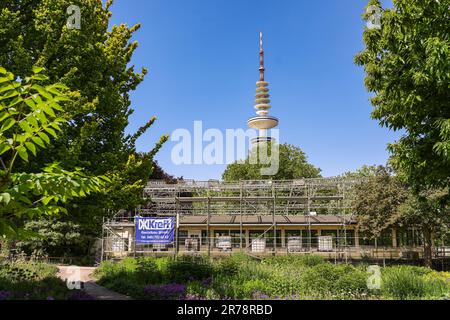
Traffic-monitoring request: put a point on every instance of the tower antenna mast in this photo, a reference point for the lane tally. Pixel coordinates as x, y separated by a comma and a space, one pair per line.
261, 58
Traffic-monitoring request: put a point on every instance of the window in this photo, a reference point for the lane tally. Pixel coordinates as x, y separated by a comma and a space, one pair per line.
236, 238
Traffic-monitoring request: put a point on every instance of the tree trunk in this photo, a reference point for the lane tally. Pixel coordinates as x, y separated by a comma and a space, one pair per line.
427, 246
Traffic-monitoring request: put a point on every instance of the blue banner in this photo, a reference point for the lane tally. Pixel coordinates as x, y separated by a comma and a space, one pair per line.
154, 230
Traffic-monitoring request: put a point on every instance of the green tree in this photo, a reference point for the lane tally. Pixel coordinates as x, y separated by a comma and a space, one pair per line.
29, 114
377, 202
94, 63
383, 201
429, 211
407, 65
293, 164
364, 172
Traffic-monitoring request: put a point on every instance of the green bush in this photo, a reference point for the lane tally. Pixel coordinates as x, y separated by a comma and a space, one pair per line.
188, 268
407, 282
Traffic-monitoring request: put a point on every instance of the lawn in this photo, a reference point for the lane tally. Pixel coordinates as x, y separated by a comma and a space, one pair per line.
289, 277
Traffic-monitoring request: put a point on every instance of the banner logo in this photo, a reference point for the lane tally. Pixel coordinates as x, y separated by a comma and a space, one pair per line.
154, 230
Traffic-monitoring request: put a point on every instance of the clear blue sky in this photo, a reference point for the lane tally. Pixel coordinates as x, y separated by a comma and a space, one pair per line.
202, 57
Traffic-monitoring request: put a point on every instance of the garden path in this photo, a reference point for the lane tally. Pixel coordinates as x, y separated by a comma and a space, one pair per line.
90, 287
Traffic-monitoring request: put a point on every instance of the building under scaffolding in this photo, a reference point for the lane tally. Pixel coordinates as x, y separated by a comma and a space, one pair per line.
258, 218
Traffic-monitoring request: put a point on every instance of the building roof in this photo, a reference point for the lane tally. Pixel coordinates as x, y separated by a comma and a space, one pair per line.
233, 220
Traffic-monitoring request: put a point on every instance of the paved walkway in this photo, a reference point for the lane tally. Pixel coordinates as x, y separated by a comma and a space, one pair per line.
84, 274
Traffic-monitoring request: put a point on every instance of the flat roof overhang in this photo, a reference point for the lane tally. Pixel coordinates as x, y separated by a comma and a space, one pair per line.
237, 220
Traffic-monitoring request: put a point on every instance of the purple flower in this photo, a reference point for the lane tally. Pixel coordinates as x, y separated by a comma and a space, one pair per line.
4, 294
50, 298
257, 295
173, 291
207, 282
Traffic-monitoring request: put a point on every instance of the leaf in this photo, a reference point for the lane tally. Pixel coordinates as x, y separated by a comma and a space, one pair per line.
44, 137
2, 70
32, 121
4, 147
46, 200
4, 115
30, 103
51, 131
41, 91
55, 126
6, 87
9, 95
23, 153
25, 127
48, 110
41, 116
15, 101
37, 70
31, 147
38, 141
7, 124
39, 77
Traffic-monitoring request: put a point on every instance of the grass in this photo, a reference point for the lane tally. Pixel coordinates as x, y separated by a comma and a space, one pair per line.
288, 277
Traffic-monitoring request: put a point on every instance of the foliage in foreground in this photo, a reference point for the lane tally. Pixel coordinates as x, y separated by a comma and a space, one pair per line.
95, 64
31, 113
290, 277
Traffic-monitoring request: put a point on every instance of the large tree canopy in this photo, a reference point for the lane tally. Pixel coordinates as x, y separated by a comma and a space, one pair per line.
407, 65
293, 164
94, 63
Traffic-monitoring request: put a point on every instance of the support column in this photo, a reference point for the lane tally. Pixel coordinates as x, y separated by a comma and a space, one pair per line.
207, 228
283, 238
247, 238
394, 238
356, 238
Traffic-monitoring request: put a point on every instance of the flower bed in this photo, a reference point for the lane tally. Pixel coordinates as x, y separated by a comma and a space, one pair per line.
287, 278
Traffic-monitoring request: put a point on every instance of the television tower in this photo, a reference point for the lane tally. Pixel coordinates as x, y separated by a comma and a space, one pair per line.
262, 121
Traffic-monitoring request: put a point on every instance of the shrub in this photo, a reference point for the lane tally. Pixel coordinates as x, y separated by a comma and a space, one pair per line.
227, 267
187, 269
147, 271
408, 282
402, 283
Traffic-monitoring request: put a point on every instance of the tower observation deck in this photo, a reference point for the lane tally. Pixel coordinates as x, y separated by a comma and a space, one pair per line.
262, 121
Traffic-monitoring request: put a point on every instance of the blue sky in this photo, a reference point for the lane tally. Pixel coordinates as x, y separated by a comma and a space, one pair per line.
202, 57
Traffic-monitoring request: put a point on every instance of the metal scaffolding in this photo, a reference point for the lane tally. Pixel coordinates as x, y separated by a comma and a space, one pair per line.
262, 197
